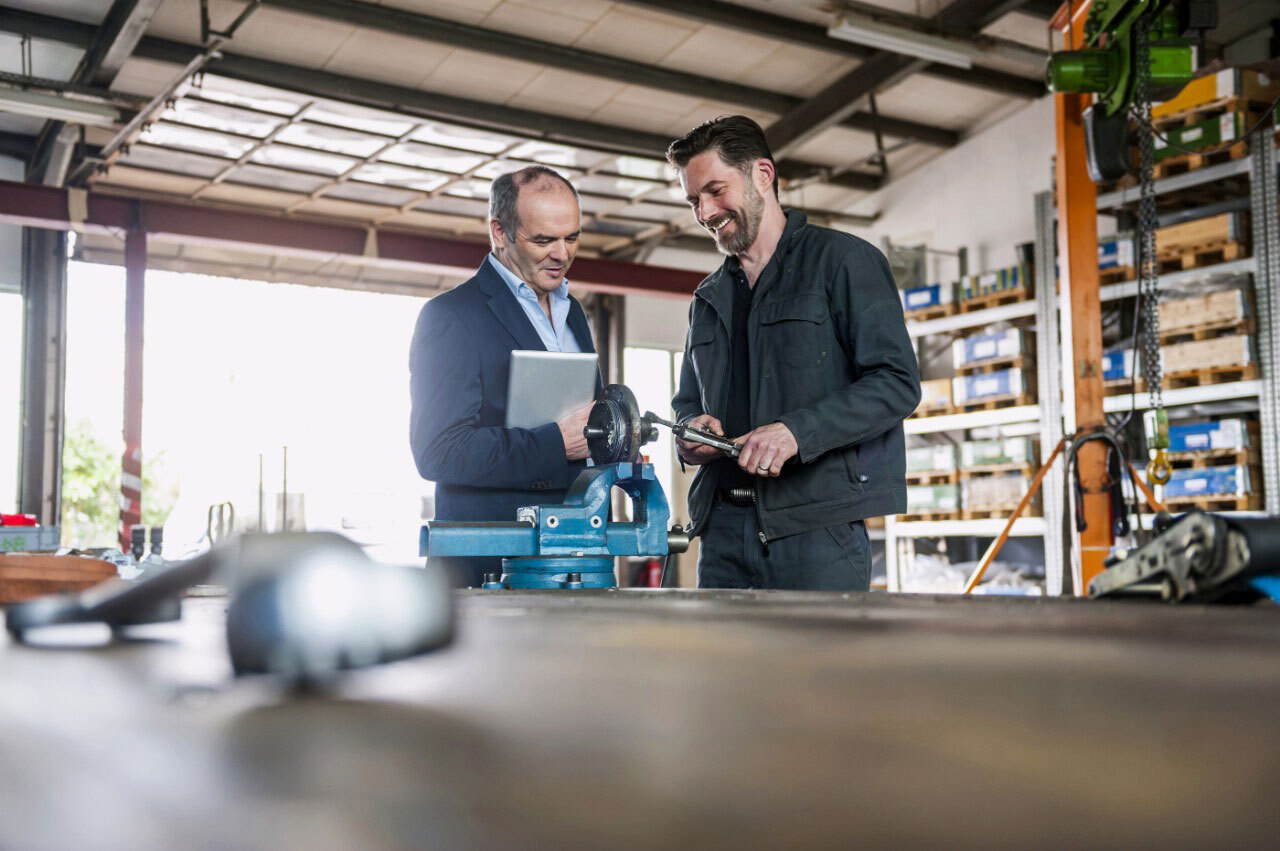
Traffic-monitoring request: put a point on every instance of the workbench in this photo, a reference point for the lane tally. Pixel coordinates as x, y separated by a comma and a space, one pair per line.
668, 719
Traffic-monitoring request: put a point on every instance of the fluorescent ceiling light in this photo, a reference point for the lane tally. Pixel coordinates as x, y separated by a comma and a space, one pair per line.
861, 29
57, 108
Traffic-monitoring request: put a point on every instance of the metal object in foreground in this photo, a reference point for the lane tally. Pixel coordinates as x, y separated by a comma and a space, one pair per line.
1198, 557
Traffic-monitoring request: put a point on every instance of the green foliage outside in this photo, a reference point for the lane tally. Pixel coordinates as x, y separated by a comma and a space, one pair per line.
91, 489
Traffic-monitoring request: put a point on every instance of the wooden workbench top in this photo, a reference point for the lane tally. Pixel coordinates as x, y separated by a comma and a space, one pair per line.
669, 720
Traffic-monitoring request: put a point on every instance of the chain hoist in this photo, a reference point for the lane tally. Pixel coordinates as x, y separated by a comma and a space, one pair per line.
1157, 419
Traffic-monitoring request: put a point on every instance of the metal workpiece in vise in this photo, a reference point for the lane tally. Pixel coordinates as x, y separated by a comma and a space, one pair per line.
572, 545
1199, 557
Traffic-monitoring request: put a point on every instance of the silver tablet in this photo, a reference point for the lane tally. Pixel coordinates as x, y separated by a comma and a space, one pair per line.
546, 386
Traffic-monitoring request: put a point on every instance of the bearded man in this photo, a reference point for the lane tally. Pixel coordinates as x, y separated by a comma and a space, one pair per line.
798, 350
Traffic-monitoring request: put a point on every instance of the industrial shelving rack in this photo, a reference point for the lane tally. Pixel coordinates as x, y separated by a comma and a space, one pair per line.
1055, 406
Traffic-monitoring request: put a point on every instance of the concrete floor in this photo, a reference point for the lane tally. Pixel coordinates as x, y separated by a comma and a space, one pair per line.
670, 720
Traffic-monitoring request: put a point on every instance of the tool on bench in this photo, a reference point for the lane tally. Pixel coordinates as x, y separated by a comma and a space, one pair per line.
1199, 557
304, 605
572, 545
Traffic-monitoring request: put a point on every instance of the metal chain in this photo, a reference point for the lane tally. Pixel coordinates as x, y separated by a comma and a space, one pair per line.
1148, 291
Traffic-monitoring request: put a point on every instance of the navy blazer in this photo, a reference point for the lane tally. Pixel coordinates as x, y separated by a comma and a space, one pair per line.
459, 367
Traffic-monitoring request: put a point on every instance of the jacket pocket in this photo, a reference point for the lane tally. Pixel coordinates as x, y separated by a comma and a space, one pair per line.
795, 331
706, 365
853, 465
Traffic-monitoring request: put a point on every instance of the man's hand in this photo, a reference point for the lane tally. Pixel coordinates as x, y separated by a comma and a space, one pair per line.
766, 449
700, 453
575, 444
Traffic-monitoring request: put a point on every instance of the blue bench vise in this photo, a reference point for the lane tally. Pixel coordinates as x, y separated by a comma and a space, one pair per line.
573, 544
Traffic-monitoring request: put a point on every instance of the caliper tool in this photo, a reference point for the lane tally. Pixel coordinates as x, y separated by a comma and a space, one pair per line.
697, 435
572, 545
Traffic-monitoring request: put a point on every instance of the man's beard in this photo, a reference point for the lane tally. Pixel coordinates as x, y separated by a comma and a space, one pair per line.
746, 224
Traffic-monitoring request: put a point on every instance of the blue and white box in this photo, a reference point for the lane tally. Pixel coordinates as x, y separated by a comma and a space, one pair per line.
987, 385
930, 295
1117, 251
1117, 365
1210, 481
1224, 434
983, 347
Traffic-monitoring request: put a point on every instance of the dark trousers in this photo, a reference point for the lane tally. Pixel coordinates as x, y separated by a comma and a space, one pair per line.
730, 555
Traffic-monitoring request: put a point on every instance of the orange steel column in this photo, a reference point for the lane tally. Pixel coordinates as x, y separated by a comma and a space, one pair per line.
1078, 269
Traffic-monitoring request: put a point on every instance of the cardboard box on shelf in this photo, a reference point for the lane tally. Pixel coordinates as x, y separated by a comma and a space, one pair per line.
1231, 83
979, 347
1221, 306
1116, 251
1216, 130
1117, 364
921, 498
930, 295
1236, 350
1000, 280
935, 394
988, 493
1233, 480
1211, 230
938, 458
1223, 434
987, 385
987, 453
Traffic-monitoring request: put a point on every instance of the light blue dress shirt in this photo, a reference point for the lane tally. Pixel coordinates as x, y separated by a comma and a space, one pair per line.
557, 337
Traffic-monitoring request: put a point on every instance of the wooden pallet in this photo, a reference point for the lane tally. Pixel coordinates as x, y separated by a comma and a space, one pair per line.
1210, 502
1200, 256
1210, 109
1201, 459
1188, 378
997, 402
936, 477
1028, 470
983, 302
1117, 275
937, 311
1232, 328
1025, 360
1211, 375
915, 516
1184, 163
936, 411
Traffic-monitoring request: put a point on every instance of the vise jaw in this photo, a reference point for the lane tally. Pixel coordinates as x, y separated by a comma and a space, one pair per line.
578, 527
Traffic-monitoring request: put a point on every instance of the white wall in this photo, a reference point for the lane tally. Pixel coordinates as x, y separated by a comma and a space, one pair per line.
978, 195
10, 236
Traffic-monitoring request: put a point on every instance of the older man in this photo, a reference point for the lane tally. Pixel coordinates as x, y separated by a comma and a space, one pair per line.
797, 349
460, 364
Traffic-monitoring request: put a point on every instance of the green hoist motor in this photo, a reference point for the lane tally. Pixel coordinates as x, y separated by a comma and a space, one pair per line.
1110, 66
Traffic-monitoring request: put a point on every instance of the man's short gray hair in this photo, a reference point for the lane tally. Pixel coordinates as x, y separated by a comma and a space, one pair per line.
506, 191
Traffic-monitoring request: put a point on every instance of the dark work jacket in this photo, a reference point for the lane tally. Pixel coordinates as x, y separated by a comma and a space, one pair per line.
459, 366
831, 359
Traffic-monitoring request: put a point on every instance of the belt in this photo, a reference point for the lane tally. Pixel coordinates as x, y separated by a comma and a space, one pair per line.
738, 496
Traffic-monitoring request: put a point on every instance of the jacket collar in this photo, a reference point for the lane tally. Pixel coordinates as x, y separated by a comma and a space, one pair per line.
512, 316
504, 306
717, 289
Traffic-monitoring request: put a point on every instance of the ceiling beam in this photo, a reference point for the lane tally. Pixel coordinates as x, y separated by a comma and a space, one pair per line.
743, 19
118, 35
837, 100
455, 34
371, 93
48, 207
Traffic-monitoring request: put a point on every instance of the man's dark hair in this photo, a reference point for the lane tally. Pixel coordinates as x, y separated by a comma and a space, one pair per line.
737, 139
505, 192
